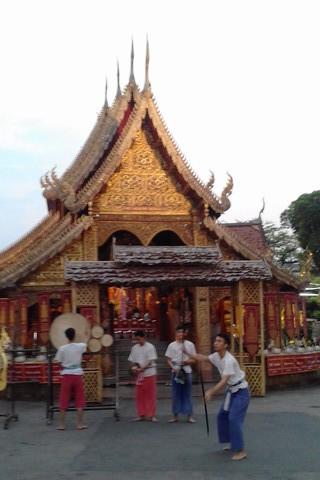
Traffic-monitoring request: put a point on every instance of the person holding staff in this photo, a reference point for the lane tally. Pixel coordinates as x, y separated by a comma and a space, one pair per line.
232, 413
179, 356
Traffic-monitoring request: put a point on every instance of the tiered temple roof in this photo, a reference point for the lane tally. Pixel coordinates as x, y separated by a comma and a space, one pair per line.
70, 196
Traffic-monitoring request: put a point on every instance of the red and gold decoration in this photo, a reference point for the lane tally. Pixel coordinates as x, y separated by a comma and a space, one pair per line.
44, 316
23, 305
272, 317
251, 320
4, 312
66, 302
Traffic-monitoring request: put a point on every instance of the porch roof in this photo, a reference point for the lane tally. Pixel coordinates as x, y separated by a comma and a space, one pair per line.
137, 275
177, 255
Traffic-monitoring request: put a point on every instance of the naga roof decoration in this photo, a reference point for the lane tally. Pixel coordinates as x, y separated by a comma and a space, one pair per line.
110, 138
137, 275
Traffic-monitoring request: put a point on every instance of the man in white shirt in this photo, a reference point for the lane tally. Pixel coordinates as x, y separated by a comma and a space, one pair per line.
232, 413
143, 358
70, 357
179, 356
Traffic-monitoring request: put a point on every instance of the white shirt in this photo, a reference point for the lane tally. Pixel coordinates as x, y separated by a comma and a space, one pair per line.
228, 365
143, 355
175, 353
70, 356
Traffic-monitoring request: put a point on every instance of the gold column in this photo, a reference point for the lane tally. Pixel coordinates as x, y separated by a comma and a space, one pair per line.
263, 365
202, 322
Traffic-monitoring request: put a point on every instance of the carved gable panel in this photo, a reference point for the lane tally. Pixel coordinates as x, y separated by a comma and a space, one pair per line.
52, 272
141, 185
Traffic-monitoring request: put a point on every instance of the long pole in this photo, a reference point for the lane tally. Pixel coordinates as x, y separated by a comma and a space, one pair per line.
204, 401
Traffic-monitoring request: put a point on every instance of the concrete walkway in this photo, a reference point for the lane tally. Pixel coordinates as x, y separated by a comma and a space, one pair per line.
282, 436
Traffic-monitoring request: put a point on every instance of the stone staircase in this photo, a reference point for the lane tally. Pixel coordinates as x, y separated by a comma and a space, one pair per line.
123, 347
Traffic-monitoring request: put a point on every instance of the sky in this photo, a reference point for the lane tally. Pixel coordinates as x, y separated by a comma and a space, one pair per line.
237, 82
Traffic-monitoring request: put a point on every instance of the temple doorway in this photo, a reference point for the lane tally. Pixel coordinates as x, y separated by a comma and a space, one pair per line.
157, 311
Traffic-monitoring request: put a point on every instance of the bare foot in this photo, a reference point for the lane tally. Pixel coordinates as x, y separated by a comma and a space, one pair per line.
191, 420
239, 456
173, 420
61, 427
154, 419
82, 427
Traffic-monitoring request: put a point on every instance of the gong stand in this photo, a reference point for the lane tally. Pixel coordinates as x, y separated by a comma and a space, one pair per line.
90, 406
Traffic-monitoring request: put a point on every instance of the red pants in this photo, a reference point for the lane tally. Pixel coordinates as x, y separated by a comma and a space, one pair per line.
71, 384
146, 393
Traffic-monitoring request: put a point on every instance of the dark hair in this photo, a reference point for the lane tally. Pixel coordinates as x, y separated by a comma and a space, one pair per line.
70, 333
225, 337
180, 327
139, 333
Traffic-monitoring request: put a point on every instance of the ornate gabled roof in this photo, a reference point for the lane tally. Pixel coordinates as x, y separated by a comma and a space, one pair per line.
252, 233
11, 253
138, 275
247, 251
49, 245
110, 138
126, 255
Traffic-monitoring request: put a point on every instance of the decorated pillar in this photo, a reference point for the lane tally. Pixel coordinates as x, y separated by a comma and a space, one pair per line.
66, 302
12, 320
44, 316
272, 316
202, 322
23, 330
288, 302
251, 333
4, 312
303, 316
251, 322
85, 299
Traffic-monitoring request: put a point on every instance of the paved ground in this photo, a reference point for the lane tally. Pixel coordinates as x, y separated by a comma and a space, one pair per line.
282, 436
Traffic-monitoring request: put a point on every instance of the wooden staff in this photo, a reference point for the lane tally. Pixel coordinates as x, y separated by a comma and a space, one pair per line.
204, 401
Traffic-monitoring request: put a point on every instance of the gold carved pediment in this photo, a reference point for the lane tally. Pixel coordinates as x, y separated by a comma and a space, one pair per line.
141, 184
52, 271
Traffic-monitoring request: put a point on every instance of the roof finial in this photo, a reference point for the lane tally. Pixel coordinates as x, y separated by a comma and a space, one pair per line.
262, 209
106, 94
147, 82
118, 81
131, 78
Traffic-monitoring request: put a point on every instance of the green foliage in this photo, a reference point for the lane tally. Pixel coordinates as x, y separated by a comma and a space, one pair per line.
313, 303
284, 244
304, 217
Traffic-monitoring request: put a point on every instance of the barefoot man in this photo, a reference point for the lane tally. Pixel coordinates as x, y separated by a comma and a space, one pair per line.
143, 358
70, 357
232, 413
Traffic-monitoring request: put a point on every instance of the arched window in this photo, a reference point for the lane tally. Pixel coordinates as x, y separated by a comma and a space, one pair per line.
122, 237
166, 238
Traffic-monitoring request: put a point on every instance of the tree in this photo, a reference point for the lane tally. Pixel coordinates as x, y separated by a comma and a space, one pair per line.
304, 217
284, 244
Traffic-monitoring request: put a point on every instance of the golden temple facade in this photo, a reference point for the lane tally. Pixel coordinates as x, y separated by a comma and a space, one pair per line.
130, 186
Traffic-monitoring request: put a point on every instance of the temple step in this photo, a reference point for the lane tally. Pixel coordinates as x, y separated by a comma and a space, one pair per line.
123, 347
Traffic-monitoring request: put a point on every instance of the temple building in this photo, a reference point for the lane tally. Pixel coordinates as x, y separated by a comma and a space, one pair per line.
134, 239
